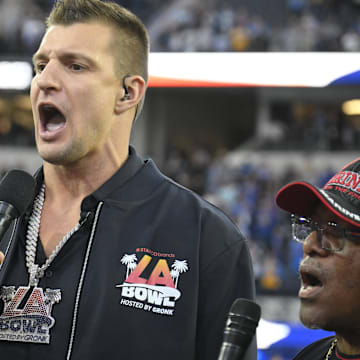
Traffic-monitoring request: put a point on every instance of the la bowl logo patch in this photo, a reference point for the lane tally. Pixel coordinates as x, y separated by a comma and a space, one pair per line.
150, 285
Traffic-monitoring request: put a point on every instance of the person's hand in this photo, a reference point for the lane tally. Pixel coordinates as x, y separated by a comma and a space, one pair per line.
1, 257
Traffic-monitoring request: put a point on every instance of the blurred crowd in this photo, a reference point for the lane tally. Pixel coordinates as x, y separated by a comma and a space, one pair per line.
288, 25
22, 22
212, 25
16, 122
21, 25
319, 127
247, 194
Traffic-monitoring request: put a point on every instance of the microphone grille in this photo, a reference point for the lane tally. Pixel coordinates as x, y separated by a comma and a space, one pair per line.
246, 308
17, 188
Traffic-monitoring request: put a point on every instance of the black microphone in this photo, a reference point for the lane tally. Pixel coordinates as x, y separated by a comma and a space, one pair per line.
240, 328
17, 190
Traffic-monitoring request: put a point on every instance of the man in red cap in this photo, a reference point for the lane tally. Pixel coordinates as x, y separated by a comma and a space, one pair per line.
327, 222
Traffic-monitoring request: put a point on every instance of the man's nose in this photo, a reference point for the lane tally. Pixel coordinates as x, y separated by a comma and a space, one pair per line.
312, 245
48, 79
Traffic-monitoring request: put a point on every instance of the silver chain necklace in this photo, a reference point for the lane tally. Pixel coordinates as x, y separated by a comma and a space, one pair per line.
36, 314
36, 272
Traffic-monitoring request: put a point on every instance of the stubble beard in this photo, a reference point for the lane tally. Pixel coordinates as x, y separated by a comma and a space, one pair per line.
65, 156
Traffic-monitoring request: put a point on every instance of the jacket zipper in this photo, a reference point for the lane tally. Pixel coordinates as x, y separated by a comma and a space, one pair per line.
81, 282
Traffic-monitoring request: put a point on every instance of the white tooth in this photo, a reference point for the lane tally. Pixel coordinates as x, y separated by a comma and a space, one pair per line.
54, 127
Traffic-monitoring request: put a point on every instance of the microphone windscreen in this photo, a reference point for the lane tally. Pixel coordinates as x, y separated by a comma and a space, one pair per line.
17, 188
247, 308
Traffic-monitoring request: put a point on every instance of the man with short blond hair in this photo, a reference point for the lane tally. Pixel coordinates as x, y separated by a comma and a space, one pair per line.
112, 259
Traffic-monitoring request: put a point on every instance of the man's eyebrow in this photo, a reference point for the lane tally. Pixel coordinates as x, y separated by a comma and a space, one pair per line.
38, 56
78, 56
67, 56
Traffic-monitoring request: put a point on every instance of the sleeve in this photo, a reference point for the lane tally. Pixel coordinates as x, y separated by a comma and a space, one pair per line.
226, 276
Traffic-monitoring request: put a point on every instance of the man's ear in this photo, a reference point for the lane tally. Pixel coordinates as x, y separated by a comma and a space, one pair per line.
131, 93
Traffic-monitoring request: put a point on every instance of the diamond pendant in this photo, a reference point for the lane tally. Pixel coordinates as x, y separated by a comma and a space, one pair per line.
32, 322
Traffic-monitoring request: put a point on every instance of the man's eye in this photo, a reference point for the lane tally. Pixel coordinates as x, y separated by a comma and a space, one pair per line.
40, 67
76, 67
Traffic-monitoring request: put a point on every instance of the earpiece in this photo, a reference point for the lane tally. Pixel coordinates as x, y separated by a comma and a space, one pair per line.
127, 96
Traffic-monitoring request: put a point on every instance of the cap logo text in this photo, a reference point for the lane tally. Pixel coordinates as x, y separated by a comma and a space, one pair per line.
347, 179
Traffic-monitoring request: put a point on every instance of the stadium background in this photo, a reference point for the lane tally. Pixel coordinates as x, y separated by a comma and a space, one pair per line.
234, 142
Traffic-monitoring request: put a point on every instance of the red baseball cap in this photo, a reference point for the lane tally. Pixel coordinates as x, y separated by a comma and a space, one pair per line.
341, 195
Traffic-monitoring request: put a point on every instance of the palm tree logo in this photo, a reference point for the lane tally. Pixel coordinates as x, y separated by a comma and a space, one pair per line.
51, 297
7, 293
130, 262
178, 267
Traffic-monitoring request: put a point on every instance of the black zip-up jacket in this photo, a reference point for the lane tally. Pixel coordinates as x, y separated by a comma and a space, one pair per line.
151, 273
